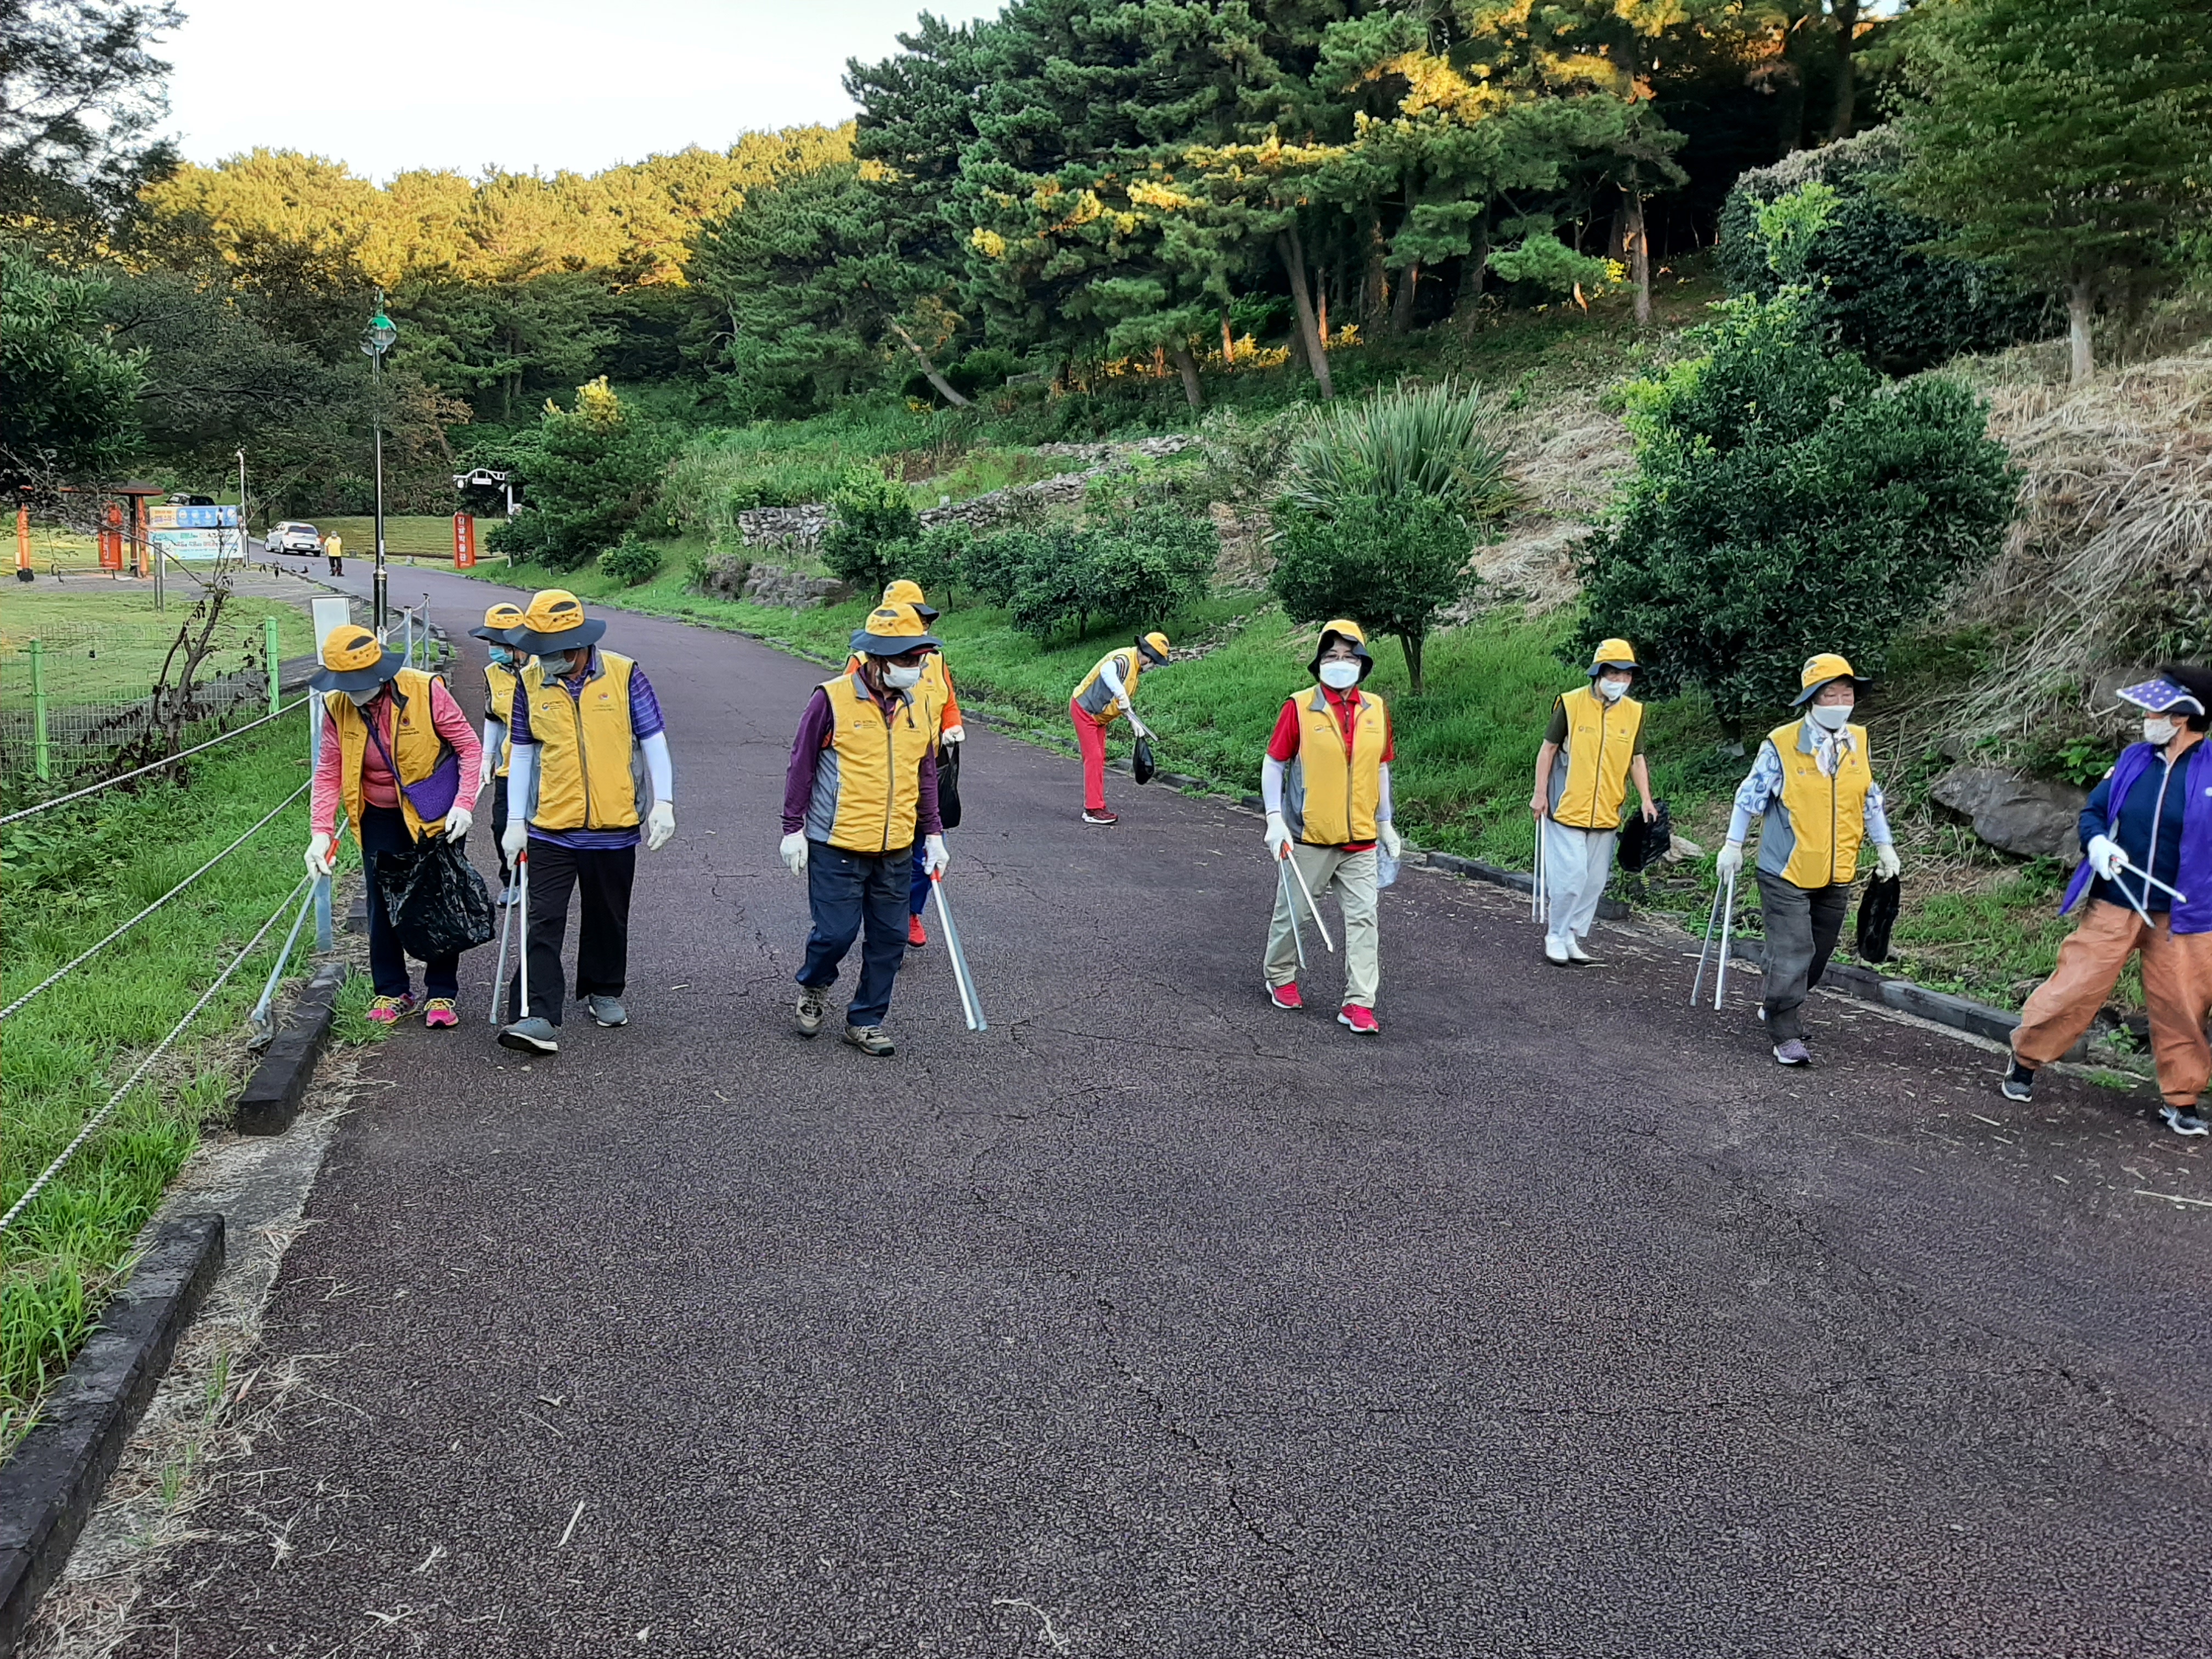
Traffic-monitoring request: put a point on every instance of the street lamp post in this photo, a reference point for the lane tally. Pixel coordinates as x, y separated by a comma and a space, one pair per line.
375, 340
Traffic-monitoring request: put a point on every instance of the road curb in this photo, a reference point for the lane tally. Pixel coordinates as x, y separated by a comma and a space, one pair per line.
48, 1487
270, 1100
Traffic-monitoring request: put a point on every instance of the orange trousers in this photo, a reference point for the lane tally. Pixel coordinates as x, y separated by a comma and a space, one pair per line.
2177, 977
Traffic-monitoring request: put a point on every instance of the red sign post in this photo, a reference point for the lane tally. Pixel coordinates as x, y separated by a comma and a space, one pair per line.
464, 541
111, 538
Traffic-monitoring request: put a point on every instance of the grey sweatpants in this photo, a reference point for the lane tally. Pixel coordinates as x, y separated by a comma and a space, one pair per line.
1802, 924
1577, 863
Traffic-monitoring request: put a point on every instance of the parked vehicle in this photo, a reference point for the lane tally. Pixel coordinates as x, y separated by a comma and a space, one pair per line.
290, 538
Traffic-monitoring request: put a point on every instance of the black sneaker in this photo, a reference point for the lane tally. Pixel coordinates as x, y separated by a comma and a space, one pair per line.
2018, 1082
2184, 1121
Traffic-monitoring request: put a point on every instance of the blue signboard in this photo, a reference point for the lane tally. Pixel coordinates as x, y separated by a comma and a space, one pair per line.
207, 518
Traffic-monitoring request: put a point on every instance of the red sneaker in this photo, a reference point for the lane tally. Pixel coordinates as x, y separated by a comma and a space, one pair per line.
1360, 1019
1285, 996
1098, 815
390, 1011
438, 1013
916, 933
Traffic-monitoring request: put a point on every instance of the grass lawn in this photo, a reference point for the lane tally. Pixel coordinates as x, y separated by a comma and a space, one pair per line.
105, 639
67, 877
423, 536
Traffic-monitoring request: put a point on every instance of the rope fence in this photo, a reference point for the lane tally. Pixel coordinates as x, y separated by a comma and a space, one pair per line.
93, 1123
153, 766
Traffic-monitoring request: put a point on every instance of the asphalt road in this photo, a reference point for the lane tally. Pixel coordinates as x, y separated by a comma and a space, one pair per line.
1154, 1322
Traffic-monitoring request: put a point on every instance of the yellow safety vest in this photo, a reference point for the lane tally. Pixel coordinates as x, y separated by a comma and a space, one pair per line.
1094, 699
499, 703
1600, 742
1335, 787
1827, 815
408, 733
589, 773
867, 787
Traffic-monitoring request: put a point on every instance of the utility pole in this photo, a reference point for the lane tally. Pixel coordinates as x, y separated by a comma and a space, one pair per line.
375, 340
241, 507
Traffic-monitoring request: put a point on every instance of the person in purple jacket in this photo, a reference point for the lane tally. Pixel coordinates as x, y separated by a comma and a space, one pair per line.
2147, 835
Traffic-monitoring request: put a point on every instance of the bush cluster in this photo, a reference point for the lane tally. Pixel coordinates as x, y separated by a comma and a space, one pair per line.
631, 561
1788, 501
1902, 311
1136, 568
589, 472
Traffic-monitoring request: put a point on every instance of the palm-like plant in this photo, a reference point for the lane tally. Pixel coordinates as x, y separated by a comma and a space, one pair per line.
1435, 441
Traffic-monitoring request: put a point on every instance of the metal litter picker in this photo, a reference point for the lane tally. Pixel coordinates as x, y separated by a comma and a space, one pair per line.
506, 929
970, 1004
1290, 904
1312, 909
1722, 916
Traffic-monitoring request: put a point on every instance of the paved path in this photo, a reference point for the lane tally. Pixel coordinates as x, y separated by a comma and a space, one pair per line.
1154, 1322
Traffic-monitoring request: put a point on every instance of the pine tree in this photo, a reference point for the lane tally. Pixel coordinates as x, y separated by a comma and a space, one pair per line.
2070, 140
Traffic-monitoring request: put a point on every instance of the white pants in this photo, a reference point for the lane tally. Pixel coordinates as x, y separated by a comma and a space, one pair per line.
1575, 865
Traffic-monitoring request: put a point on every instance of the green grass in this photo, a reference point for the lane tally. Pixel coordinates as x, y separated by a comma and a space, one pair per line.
66, 879
128, 638
426, 536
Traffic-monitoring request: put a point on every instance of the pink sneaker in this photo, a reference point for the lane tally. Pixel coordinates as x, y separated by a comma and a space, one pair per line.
390, 1011
1285, 996
438, 1012
1360, 1019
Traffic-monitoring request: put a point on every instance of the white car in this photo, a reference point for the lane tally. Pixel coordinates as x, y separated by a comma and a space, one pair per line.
290, 538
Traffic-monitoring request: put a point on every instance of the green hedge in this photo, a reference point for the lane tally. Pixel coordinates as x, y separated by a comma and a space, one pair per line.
1902, 311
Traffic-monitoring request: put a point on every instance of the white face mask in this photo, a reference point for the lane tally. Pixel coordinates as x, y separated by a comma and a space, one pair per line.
1340, 675
1831, 716
1612, 690
2159, 730
902, 679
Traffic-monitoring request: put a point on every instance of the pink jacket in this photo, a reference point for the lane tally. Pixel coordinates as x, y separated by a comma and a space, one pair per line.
377, 786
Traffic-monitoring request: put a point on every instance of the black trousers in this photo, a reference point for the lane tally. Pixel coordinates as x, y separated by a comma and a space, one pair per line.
1802, 925
499, 829
384, 829
602, 879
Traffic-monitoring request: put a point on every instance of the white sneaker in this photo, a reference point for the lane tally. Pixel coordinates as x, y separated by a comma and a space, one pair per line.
1578, 955
1556, 953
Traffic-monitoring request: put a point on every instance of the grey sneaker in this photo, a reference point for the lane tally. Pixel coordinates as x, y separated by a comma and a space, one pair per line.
1793, 1053
2184, 1121
607, 1011
869, 1040
2018, 1082
813, 1009
531, 1036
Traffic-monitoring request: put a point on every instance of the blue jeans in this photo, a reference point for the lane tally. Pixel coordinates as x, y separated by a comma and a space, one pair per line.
845, 891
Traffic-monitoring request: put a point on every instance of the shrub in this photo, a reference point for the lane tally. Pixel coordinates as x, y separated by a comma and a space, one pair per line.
1392, 563
1787, 500
631, 561
1140, 567
589, 472
1838, 231
1433, 441
1548, 264
874, 524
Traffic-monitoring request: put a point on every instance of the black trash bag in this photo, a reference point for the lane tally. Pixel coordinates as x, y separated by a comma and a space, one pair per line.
1142, 764
1643, 845
438, 904
1877, 915
948, 784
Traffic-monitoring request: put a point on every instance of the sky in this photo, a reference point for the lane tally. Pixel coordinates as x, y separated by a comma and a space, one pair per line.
520, 84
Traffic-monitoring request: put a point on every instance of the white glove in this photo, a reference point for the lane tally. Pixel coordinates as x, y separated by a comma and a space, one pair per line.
1730, 861
953, 734
2105, 857
1885, 863
793, 848
934, 858
319, 861
483, 783
660, 826
1393, 843
1279, 834
516, 838
458, 822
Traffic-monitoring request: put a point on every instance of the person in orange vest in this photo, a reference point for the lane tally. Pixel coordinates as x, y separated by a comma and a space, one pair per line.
1106, 693
1599, 728
860, 791
589, 776
1326, 785
399, 754
1812, 784
936, 693
502, 673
